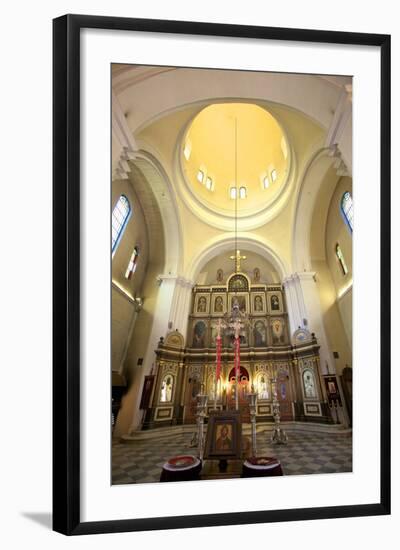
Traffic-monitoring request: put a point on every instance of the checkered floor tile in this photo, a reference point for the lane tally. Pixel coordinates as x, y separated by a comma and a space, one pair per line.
304, 453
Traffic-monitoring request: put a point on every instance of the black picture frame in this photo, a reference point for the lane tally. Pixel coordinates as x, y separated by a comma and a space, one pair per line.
66, 273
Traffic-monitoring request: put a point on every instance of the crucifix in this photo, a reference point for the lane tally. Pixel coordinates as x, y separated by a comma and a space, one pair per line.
237, 257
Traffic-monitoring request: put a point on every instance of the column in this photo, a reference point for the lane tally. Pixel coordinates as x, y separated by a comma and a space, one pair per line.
159, 328
179, 313
304, 310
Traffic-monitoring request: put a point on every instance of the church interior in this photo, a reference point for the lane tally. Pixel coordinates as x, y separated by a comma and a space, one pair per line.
232, 221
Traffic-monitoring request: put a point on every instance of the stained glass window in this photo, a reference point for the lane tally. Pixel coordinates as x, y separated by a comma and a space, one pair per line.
346, 205
120, 216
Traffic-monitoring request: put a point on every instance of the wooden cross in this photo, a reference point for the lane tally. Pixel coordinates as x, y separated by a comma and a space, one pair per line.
237, 257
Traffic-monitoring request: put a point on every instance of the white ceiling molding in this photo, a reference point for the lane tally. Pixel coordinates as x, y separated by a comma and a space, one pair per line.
170, 90
123, 141
338, 138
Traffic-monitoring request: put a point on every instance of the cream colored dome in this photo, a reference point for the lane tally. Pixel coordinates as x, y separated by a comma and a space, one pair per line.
232, 145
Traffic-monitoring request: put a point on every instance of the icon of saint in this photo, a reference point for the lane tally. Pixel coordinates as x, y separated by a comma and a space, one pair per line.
224, 442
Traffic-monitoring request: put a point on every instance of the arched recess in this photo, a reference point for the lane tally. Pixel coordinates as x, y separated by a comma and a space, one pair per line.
153, 189
226, 243
319, 174
182, 86
157, 180
327, 228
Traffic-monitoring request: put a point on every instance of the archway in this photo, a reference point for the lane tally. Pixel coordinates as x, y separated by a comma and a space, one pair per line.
227, 243
153, 190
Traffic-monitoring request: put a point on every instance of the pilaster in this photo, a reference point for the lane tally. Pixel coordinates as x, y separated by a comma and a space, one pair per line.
304, 310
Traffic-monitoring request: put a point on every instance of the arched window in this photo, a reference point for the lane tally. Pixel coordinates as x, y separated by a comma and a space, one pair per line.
242, 193
340, 257
232, 192
209, 184
346, 206
120, 216
132, 263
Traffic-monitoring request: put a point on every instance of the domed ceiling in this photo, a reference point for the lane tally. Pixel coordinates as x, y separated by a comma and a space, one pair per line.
234, 149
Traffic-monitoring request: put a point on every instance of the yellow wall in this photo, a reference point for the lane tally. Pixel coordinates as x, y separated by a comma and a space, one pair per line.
135, 234
336, 310
337, 231
123, 310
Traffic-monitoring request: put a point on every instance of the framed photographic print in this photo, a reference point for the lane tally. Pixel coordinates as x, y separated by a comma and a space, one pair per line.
195, 164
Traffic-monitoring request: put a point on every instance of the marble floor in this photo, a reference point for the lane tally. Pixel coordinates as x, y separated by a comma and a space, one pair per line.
305, 453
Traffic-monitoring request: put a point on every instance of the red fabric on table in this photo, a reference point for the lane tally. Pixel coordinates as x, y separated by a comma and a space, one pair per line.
181, 474
274, 468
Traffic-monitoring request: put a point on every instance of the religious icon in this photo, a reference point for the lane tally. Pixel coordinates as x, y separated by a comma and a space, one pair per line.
259, 334
277, 326
195, 387
220, 276
224, 437
240, 302
214, 334
263, 388
218, 305
274, 303
166, 389
199, 335
201, 305
258, 305
238, 282
331, 387
309, 385
256, 275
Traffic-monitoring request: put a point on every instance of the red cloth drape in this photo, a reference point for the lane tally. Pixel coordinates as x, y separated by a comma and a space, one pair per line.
219, 346
237, 359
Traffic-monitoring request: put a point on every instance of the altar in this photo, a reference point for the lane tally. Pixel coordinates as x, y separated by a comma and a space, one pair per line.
226, 362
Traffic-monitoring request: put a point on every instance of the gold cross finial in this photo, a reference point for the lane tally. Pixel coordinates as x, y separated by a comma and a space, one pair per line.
237, 257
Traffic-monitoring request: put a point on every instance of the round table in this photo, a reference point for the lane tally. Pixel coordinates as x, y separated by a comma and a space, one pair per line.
256, 468
184, 473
